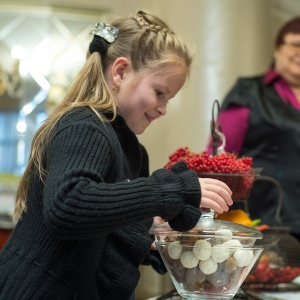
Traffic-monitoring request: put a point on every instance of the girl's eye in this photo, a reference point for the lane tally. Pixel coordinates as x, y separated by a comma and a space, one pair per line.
159, 93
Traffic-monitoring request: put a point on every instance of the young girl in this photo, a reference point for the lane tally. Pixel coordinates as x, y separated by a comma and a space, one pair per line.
86, 201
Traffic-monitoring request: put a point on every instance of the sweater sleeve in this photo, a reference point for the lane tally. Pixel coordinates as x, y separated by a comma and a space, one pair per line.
79, 204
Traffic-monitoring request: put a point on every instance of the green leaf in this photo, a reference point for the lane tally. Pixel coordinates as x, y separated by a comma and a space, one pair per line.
255, 223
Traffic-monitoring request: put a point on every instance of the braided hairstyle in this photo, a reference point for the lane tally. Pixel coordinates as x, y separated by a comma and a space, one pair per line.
146, 41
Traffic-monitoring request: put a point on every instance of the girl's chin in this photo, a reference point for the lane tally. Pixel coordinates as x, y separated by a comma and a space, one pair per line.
138, 130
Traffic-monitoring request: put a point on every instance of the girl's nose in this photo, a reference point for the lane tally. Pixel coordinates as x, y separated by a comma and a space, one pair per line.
162, 109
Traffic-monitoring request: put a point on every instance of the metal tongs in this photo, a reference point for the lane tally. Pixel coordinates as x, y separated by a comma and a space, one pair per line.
218, 137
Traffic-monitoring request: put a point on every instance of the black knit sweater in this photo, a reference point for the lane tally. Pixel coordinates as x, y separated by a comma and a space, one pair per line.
87, 228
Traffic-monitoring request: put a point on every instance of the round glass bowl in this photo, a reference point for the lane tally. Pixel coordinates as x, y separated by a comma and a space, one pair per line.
212, 260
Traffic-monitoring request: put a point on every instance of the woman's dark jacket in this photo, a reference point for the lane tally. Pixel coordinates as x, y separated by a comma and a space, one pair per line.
273, 140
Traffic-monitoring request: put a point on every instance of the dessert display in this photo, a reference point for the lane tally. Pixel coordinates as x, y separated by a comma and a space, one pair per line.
213, 259
210, 261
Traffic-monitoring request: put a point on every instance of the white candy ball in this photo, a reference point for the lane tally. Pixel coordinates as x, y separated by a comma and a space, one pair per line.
208, 266
219, 253
202, 250
243, 257
189, 260
223, 234
233, 245
175, 250
251, 256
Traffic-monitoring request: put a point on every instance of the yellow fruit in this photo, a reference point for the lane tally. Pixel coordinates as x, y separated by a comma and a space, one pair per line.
237, 216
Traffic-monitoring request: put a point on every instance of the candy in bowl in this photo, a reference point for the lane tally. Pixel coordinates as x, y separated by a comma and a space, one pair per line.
212, 260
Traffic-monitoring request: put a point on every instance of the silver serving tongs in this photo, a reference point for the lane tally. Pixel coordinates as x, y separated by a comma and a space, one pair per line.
218, 137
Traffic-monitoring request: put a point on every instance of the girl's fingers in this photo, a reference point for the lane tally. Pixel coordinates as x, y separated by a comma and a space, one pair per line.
219, 194
215, 194
208, 203
215, 182
218, 199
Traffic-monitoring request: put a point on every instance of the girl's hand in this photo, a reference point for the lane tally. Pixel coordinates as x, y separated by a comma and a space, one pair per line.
216, 195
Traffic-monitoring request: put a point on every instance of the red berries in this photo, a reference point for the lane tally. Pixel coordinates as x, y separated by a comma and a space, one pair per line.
236, 172
272, 274
272, 269
203, 162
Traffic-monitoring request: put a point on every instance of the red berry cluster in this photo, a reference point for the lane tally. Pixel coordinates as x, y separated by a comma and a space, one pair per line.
236, 172
268, 274
227, 163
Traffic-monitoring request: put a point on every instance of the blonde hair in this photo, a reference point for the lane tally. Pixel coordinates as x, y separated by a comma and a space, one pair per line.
149, 44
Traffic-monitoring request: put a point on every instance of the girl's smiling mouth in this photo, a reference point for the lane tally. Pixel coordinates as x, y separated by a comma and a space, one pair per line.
150, 119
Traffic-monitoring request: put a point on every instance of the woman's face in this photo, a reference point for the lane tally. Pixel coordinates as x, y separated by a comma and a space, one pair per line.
287, 57
143, 99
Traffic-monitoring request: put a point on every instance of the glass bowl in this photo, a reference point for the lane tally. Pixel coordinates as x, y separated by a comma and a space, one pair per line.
212, 260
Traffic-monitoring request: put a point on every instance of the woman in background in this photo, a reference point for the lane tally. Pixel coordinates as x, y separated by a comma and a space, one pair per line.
260, 118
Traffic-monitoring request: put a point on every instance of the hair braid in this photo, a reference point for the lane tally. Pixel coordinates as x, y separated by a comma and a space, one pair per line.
149, 23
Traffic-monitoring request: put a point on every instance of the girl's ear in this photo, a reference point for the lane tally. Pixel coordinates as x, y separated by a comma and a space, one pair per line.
120, 69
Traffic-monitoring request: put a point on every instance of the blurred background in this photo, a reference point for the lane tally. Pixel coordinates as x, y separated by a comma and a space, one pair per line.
43, 43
